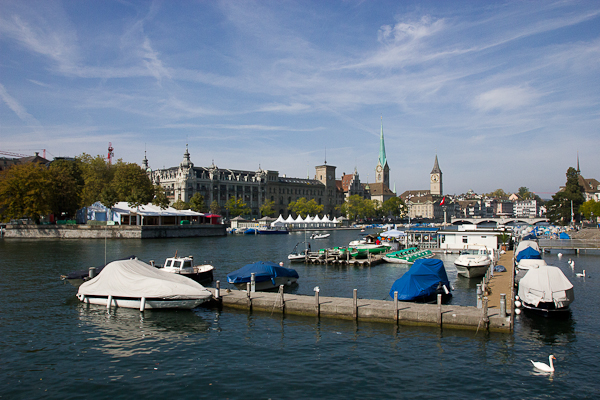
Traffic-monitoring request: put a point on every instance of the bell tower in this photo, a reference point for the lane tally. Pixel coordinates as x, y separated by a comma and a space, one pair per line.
382, 171
436, 188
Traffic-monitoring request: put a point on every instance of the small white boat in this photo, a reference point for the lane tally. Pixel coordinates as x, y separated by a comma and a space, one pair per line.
546, 291
320, 235
474, 261
299, 255
185, 266
135, 284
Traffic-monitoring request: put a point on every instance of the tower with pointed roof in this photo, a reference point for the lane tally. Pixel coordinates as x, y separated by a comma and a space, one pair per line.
436, 188
382, 171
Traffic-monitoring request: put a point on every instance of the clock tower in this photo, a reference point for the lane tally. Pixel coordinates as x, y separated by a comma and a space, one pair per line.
436, 179
382, 171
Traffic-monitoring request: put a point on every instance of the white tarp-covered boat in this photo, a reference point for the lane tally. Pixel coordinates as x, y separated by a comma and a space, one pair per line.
135, 284
546, 291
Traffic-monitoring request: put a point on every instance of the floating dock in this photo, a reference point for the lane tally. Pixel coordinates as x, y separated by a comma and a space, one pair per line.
401, 313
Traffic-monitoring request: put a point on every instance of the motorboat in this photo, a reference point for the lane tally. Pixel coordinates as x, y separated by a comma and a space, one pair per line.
135, 284
298, 255
425, 279
474, 261
76, 278
320, 235
546, 291
525, 265
267, 276
407, 256
272, 230
363, 250
527, 249
184, 266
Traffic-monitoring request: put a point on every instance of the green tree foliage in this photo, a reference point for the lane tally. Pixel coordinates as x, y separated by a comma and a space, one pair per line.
25, 192
181, 205
236, 207
160, 198
197, 203
305, 207
97, 176
66, 184
356, 207
132, 184
214, 207
571, 198
526, 194
590, 208
268, 209
394, 207
498, 194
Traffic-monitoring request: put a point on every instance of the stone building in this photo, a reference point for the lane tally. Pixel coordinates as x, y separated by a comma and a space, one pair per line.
426, 204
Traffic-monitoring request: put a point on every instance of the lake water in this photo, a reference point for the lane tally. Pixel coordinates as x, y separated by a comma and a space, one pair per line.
53, 347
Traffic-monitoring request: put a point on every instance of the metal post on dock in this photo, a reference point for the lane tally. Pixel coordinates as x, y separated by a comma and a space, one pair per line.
317, 304
249, 298
439, 302
479, 296
218, 291
143, 304
396, 305
253, 282
486, 318
502, 305
108, 303
281, 301
355, 303
92, 272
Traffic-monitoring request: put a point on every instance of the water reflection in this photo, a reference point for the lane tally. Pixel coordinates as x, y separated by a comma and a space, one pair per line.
548, 330
124, 332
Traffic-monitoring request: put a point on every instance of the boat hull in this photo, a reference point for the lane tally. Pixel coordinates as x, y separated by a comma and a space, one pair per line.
547, 310
127, 302
471, 271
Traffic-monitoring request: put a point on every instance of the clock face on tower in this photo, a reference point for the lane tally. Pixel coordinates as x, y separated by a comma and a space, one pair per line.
434, 178
379, 169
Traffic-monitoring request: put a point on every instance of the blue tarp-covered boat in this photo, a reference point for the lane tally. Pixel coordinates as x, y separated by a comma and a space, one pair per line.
267, 275
528, 253
564, 235
423, 282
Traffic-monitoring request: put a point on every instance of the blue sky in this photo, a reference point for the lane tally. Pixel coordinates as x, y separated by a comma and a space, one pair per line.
505, 93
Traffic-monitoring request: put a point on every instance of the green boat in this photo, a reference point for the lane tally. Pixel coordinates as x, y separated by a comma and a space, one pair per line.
407, 256
363, 251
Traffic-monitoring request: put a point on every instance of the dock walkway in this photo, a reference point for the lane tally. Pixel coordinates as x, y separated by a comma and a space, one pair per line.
502, 283
402, 313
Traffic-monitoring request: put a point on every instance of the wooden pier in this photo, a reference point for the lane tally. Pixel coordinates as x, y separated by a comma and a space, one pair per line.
401, 313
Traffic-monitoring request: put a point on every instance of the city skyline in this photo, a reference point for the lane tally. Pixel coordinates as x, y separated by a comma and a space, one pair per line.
505, 94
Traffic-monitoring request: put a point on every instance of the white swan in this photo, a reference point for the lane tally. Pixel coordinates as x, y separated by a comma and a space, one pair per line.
580, 274
544, 367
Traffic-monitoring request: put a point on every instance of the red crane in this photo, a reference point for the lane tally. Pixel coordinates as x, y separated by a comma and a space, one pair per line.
111, 154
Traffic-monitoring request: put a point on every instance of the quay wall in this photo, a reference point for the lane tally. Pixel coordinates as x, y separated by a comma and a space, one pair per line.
446, 316
110, 231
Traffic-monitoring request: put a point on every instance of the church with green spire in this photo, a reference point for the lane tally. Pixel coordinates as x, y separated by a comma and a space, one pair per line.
380, 190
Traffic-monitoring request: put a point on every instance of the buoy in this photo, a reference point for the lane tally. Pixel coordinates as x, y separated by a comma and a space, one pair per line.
517, 311
517, 303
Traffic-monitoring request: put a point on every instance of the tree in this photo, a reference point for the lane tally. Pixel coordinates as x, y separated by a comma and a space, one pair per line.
524, 192
268, 209
498, 194
160, 198
25, 192
570, 198
132, 184
197, 203
214, 207
590, 210
305, 207
66, 185
395, 207
236, 207
181, 205
97, 175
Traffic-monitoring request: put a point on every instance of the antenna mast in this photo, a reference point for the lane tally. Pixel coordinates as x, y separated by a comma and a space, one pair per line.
111, 153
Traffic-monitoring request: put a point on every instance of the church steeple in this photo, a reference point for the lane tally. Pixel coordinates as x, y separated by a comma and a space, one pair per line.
436, 186
382, 170
436, 167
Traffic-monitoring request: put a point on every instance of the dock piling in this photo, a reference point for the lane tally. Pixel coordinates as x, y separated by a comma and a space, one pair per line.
281, 300
253, 282
218, 291
503, 305
439, 302
143, 304
108, 303
396, 305
249, 298
317, 305
479, 296
355, 303
92, 272
486, 318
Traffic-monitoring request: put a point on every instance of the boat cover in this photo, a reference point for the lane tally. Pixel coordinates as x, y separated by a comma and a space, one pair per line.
564, 235
421, 280
523, 244
135, 278
263, 270
546, 284
528, 253
529, 263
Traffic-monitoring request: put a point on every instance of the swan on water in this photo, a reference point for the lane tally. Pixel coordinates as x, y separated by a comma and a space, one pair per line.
580, 274
544, 367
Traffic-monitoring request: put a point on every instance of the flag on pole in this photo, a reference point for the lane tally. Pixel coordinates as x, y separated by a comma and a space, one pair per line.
443, 201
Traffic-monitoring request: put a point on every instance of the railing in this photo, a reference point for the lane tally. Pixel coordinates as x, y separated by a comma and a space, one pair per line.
569, 243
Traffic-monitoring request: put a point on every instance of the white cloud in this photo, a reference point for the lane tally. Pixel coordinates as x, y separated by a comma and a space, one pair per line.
16, 107
506, 98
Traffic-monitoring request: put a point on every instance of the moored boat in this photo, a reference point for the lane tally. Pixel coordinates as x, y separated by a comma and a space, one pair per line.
135, 284
184, 266
407, 256
546, 291
267, 276
423, 282
298, 254
474, 261
320, 235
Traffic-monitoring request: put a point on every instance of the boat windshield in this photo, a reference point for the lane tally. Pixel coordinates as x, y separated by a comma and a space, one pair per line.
169, 263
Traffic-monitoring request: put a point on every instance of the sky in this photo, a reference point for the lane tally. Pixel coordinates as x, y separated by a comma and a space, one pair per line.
505, 93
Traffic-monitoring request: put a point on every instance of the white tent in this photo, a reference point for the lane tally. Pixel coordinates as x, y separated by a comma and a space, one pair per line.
394, 233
